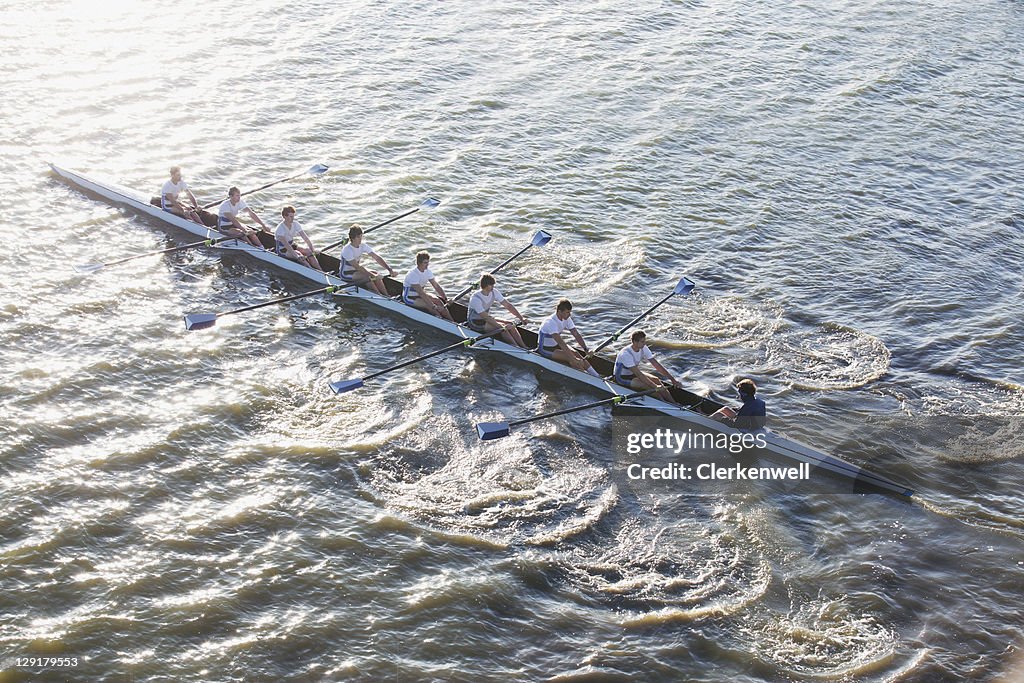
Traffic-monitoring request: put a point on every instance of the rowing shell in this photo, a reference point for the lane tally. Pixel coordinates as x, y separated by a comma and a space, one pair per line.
693, 409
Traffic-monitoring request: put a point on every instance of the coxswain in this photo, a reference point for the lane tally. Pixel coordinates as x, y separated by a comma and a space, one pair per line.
629, 374
551, 345
285, 235
228, 223
479, 316
351, 271
169, 198
752, 415
414, 294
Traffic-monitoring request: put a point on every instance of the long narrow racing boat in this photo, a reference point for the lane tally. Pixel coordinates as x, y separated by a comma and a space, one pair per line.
692, 408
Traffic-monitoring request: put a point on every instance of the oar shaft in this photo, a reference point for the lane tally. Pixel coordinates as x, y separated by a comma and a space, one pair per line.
630, 324
169, 250
465, 342
282, 300
586, 406
261, 187
507, 261
379, 225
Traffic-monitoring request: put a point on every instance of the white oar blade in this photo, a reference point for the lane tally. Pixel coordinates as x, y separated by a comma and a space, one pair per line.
319, 169
346, 385
430, 203
200, 321
88, 267
540, 238
489, 431
685, 286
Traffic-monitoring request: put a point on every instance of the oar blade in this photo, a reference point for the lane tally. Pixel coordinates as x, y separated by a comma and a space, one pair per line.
88, 267
430, 203
200, 321
684, 286
540, 238
490, 431
346, 385
319, 169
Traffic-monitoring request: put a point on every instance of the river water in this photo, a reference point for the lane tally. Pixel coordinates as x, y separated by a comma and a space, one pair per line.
840, 179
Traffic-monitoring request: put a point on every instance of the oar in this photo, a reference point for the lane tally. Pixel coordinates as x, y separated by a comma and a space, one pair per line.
93, 267
497, 430
201, 321
342, 386
540, 238
684, 286
318, 169
428, 203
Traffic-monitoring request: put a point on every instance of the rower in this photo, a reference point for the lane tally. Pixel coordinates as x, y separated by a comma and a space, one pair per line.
551, 345
751, 416
414, 294
287, 231
169, 198
227, 219
629, 374
351, 271
479, 313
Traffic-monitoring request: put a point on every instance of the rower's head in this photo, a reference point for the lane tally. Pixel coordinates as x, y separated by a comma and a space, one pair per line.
638, 339
486, 283
564, 309
175, 174
422, 260
355, 235
235, 195
288, 214
747, 389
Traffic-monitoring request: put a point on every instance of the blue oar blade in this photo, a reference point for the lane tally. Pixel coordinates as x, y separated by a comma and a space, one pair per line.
200, 321
430, 203
344, 385
540, 238
319, 169
489, 431
685, 286
89, 267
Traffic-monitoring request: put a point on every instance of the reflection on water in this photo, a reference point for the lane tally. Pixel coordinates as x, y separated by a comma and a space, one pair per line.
200, 506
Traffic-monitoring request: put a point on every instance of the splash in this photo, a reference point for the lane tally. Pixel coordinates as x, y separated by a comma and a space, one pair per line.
977, 422
833, 358
716, 323
822, 639
516, 493
681, 571
593, 271
999, 442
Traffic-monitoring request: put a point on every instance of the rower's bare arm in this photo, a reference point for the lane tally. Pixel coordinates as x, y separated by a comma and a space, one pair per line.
512, 309
437, 288
579, 339
383, 263
257, 219
661, 368
309, 242
191, 196
561, 342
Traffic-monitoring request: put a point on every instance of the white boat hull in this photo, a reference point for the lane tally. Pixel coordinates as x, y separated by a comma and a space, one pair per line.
777, 445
